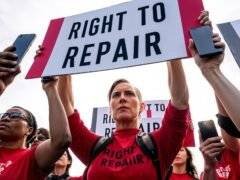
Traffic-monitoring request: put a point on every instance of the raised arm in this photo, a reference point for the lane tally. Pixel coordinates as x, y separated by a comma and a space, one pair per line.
82, 138
177, 85
66, 93
176, 77
49, 151
230, 141
8, 68
226, 92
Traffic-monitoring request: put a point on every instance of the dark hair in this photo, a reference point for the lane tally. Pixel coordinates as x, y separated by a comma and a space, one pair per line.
41, 135
190, 168
119, 81
70, 160
31, 122
43, 132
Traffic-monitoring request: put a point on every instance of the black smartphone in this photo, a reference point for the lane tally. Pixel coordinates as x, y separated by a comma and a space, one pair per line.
207, 129
202, 38
22, 44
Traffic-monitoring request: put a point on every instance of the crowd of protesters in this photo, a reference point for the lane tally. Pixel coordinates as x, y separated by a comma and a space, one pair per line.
29, 153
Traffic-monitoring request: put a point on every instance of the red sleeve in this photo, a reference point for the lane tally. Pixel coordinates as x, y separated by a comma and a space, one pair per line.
82, 138
170, 136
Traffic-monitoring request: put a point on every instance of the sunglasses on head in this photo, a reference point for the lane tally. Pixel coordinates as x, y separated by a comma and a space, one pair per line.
13, 115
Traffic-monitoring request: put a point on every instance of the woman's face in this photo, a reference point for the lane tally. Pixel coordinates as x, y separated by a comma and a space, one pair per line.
14, 125
181, 157
63, 161
124, 103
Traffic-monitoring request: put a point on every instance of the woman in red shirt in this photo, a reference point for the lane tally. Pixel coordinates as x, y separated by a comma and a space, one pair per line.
182, 167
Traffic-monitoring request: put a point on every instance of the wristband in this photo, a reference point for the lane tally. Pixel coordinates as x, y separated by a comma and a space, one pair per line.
227, 124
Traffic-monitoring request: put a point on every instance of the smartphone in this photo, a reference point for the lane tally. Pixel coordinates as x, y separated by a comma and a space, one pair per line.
207, 129
22, 44
202, 38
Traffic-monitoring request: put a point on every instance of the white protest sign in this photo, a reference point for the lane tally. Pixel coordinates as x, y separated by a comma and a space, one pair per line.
231, 34
151, 117
129, 34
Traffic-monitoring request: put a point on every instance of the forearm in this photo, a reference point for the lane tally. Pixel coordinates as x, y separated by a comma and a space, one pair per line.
66, 94
228, 95
177, 85
51, 150
58, 123
231, 142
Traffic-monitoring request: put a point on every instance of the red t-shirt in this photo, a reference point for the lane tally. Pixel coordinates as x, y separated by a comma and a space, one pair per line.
228, 168
123, 158
180, 177
18, 164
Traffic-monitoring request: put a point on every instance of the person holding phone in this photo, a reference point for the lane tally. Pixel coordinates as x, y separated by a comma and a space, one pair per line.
221, 160
228, 104
225, 91
18, 125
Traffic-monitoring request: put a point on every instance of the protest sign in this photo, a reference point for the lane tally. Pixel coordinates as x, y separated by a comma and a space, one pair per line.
151, 117
129, 34
231, 34
151, 120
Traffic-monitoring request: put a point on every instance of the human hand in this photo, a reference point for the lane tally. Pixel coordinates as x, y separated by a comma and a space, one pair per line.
49, 82
8, 67
39, 51
204, 19
211, 62
211, 149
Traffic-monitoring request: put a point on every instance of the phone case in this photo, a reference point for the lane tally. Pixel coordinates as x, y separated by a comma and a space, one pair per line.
22, 44
202, 38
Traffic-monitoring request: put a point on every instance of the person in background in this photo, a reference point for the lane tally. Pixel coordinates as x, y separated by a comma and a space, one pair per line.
61, 167
41, 135
183, 167
18, 125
